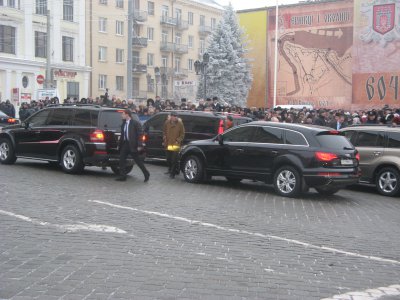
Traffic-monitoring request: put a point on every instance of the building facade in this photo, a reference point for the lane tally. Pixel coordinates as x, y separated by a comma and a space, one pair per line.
23, 50
168, 37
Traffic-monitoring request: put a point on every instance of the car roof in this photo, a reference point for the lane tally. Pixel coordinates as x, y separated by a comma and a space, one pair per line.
373, 127
87, 106
301, 127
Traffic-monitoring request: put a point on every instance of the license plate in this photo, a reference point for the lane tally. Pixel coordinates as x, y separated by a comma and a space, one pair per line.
347, 162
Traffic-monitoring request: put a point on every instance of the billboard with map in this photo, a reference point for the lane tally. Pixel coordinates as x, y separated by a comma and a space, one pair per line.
314, 54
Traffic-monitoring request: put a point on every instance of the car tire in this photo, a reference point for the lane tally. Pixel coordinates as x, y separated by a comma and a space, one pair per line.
388, 181
116, 169
287, 182
193, 169
7, 153
327, 191
71, 160
233, 180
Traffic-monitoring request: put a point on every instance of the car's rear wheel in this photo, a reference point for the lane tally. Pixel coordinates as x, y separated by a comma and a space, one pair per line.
287, 182
71, 160
327, 191
7, 154
116, 169
193, 169
233, 180
388, 181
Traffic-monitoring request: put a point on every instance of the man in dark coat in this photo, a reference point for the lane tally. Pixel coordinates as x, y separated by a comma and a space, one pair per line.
130, 143
338, 122
321, 119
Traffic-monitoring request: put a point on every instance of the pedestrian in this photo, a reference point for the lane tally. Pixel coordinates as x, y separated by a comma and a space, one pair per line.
173, 135
130, 144
338, 122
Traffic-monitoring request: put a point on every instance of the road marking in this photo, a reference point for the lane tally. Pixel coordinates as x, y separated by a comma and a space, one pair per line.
370, 294
68, 227
267, 236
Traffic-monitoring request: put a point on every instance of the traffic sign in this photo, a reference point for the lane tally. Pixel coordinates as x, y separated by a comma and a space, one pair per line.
40, 79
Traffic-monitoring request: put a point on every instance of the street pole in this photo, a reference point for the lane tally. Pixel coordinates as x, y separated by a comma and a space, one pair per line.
129, 62
48, 81
276, 51
205, 82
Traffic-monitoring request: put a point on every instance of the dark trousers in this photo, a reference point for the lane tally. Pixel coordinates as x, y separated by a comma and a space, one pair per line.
123, 155
172, 161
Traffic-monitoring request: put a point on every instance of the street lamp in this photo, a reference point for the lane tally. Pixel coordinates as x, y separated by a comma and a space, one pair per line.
201, 68
157, 75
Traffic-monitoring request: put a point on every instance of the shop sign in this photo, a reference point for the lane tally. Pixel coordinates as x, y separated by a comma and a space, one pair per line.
64, 74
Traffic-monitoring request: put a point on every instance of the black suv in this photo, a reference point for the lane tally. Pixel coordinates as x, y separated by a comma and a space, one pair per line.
199, 125
72, 136
291, 156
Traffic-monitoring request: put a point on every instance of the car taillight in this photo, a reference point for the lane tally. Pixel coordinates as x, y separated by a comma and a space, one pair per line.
325, 156
97, 136
358, 156
221, 127
11, 120
143, 138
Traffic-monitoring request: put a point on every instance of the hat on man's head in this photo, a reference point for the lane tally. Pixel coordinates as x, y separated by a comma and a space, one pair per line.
174, 113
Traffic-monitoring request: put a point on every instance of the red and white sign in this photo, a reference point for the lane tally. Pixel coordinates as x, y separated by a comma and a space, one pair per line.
40, 79
15, 94
383, 17
26, 97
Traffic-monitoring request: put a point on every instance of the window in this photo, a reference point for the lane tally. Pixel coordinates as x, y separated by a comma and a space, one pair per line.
164, 36
102, 24
7, 39
73, 90
84, 118
190, 18
164, 12
102, 53
135, 57
190, 42
119, 30
150, 83
104, 2
177, 64
119, 3
119, 56
68, 10
119, 80
150, 59
394, 140
40, 44
333, 141
268, 135
369, 139
41, 7
40, 118
156, 123
190, 64
213, 23
202, 20
178, 38
295, 138
178, 15
150, 33
164, 61
9, 3
150, 8
242, 134
102, 82
60, 117
67, 48
350, 135
202, 46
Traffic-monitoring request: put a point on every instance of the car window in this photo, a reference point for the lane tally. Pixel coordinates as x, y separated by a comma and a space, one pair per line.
85, 118
112, 119
394, 140
199, 124
295, 138
369, 139
350, 135
333, 141
187, 122
60, 117
241, 134
2, 114
268, 135
238, 121
40, 118
156, 123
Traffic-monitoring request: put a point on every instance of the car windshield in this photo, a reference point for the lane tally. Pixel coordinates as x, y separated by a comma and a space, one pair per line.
2, 115
334, 141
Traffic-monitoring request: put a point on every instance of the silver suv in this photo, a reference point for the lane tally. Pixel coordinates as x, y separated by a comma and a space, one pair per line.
379, 149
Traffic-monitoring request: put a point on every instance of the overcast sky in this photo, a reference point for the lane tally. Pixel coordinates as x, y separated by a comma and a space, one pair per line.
247, 4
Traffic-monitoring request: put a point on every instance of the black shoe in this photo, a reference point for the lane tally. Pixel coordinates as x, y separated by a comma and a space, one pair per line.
122, 178
147, 177
172, 175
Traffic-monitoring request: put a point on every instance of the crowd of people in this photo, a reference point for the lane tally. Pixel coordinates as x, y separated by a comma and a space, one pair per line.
335, 118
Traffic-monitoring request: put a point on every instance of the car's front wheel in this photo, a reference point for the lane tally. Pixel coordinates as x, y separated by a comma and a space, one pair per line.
327, 191
388, 181
287, 182
7, 154
71, 160
193, 169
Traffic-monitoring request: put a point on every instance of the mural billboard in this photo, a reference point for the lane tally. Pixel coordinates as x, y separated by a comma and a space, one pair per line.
376, 52
314, 54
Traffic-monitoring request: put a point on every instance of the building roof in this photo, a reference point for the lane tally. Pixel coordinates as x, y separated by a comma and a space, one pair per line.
211, 3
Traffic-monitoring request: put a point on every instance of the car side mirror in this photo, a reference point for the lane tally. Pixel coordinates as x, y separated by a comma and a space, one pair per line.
220, 139
25, 125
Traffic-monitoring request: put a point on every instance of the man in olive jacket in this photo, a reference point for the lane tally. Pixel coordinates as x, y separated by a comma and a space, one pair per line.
173, 135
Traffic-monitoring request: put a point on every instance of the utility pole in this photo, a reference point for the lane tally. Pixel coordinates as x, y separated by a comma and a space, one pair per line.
48, 82
129, 63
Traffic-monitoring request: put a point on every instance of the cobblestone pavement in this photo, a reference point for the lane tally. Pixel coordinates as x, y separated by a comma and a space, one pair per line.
90, 237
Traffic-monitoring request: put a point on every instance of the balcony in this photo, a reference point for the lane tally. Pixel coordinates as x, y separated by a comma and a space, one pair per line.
181, 49
181, 73
182, 25
137, 67
167, 46
168, 21
141, 95
140, 15
139, 42
205, 29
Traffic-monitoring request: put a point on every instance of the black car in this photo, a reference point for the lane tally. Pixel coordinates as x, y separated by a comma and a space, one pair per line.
199, 125
6, 120
292, 157
72, 136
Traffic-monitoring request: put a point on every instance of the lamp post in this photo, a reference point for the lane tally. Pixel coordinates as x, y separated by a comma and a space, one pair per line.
201, 68
157, 79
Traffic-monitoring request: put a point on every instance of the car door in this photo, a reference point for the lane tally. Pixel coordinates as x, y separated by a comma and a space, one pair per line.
370, 145
27, 137
153, 129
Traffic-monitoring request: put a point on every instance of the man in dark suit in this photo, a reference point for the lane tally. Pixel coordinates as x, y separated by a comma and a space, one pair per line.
130, 143
339, 122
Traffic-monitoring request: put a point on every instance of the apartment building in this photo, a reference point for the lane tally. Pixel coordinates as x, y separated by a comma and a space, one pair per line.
168, 37
23, 49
